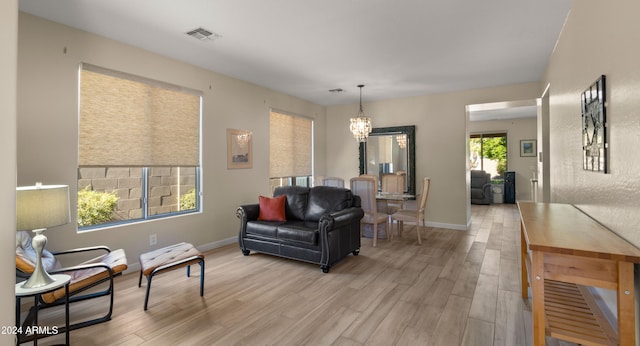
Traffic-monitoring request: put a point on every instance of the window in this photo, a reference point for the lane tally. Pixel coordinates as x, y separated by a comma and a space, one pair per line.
489, 153
290, 149
139, 148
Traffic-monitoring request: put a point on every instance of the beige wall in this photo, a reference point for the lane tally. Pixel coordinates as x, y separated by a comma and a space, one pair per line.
8, 64
517, 130
598, 38
441, 142
49, 55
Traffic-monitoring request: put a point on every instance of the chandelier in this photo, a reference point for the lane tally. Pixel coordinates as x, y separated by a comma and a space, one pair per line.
361, 124
243, 139
402, 140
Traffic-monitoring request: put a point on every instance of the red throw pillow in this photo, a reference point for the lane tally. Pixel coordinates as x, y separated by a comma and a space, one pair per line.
272, 209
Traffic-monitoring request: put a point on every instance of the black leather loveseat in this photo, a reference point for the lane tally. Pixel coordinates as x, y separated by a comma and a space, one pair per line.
322, 226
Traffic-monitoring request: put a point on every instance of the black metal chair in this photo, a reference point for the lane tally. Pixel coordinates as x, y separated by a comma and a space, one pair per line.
84, 276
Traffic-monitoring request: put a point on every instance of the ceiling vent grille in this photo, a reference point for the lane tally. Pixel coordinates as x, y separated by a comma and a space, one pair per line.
203, 34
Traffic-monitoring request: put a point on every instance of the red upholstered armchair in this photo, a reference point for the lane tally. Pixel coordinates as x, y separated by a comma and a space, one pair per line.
88, 274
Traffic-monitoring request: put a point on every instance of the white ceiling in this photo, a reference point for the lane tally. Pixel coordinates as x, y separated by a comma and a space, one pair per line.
304, 48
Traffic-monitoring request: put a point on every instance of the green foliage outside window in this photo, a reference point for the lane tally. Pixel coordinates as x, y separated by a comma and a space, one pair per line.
188, 200
490, 148
95, 207
495, 148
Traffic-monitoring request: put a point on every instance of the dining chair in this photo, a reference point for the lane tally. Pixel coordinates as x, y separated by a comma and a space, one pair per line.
367, 187
381, 204
333, 181
393, 183
416, 216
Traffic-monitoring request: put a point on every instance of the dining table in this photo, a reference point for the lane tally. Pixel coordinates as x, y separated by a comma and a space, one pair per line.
387, 200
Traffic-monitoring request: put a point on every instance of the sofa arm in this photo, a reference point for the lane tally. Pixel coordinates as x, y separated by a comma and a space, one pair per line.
340, 218
487, 191
246, 213
249, 212
339, 235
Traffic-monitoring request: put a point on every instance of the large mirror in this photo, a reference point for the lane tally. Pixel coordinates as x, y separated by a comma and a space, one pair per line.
391, 151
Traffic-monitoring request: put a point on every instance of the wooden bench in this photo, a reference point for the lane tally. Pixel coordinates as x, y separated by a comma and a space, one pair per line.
562, 251
170, 258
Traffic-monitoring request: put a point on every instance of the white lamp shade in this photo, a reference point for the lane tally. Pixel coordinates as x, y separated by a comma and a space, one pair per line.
42, 206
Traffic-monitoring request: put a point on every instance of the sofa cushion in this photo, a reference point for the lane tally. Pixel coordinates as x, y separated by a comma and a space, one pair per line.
299, 231
296, 203
272, 209
264, 228
327, 199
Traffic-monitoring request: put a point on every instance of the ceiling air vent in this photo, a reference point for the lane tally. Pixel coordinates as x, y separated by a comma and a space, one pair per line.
203, 34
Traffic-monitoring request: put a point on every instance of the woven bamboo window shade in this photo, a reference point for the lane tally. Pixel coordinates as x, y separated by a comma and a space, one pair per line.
127, 120
290, 145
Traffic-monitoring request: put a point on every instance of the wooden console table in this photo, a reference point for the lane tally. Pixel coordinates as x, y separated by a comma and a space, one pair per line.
563, 250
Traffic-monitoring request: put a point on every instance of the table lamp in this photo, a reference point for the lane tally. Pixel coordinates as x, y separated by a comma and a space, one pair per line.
39, 207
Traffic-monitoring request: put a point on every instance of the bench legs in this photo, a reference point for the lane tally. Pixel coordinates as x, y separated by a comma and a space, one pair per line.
201, 276
169, 267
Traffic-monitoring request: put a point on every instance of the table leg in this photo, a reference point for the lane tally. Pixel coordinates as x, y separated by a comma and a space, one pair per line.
35, 319
626, 312
66, 313
537, 278
524, 280
18, 322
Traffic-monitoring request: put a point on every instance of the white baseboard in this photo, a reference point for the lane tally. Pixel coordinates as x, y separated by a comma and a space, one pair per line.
448, 226
217, 244
445, 225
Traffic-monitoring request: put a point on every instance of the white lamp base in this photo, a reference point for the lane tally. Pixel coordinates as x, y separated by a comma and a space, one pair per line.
39, 277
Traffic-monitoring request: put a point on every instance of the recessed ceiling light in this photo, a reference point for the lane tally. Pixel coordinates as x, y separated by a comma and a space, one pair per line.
203, 34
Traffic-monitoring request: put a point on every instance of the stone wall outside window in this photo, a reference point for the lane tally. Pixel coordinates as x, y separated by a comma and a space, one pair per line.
164, 187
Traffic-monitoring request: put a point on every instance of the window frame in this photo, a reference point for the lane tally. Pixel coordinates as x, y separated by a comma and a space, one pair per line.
145, 198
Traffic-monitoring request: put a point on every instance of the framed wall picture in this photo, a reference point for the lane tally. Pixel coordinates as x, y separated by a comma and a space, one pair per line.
239, 149
594, 127
528, 148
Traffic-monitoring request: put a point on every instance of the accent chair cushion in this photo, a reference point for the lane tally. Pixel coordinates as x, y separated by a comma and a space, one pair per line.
272, 209
479, 179
80, 279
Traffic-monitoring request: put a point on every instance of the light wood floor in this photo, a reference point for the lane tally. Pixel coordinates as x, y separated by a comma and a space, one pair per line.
457, 288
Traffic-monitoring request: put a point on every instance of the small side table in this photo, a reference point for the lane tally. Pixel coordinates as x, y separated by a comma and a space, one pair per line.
21, 292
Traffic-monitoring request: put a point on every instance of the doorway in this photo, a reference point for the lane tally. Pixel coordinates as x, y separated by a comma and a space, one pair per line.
516, 119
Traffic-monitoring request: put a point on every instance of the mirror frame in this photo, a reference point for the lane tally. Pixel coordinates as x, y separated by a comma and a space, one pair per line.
410, 131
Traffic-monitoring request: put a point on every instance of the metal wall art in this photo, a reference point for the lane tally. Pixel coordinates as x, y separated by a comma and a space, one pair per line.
594, 134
